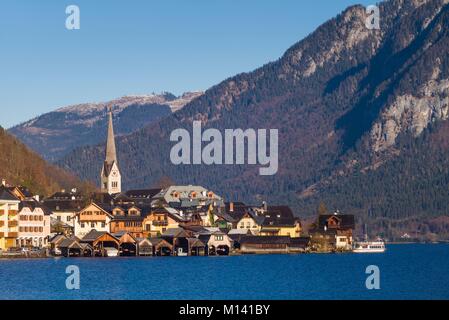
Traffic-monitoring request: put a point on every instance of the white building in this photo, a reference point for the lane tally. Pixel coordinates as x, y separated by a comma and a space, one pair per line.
34, 225
93, 217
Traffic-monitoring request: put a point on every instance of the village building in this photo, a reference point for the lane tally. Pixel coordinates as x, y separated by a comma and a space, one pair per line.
250, 221
280, 221
111, 179
159, 220
216, 242
333, 232
9, 218
21, 192
64, 206
102, 242
129, 219
129, 245
265, 244
55, 242
73, 247
185, 197
34, 224
92, 217
160, 247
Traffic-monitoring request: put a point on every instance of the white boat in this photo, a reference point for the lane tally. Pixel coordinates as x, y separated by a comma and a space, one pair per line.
377, 246
111, 252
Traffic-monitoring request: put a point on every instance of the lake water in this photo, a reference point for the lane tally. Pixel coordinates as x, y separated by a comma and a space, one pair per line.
407, 272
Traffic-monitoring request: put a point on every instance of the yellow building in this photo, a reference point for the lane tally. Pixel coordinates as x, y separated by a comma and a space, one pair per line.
9, 219
250, 221
279, 221
160, 220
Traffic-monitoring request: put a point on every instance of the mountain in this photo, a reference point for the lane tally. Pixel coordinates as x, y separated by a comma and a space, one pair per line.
362, 119
55, 134
21, 166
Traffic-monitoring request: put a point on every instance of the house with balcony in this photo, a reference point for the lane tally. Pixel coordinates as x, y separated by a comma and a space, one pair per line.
92, 217
9, 218
159, 220
34, 224
129, 219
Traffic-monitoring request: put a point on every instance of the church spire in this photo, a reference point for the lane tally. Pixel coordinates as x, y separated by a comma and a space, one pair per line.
111, 179
111, 153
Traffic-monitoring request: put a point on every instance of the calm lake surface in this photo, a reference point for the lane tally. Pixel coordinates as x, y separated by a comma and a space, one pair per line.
407, 272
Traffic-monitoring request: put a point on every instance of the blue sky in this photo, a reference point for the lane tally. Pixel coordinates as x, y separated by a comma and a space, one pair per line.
140, 47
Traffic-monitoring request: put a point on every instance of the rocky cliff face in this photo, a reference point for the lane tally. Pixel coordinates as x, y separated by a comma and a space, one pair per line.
411, 114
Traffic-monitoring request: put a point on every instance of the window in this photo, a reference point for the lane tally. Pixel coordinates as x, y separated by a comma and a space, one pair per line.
69, 218
82, 225
92, 224
103, 225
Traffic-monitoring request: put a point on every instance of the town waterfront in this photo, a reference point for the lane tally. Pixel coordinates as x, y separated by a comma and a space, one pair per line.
413, 271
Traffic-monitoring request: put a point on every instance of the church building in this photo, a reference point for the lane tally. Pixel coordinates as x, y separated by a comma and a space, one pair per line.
111, 179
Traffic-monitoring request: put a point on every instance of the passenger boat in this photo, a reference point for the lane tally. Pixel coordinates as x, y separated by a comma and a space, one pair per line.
377, 246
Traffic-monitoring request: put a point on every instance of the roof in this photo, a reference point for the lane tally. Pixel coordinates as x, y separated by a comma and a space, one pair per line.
347, 221
175, 233
72, 242
63, 205
62, 195
195, 243
259, 219
265, 240
58, 238
182, 195
93, 235
171, 212
142, 193
279, 216
239, 232
33, 204
302, 242
238, 211
6, 195
102, 206
102, 197
157, 241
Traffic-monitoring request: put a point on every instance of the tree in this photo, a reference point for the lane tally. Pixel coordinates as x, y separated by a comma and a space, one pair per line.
322, 209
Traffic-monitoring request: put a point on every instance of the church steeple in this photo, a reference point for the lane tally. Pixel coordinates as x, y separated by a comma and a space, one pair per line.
111, 153
111, 180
